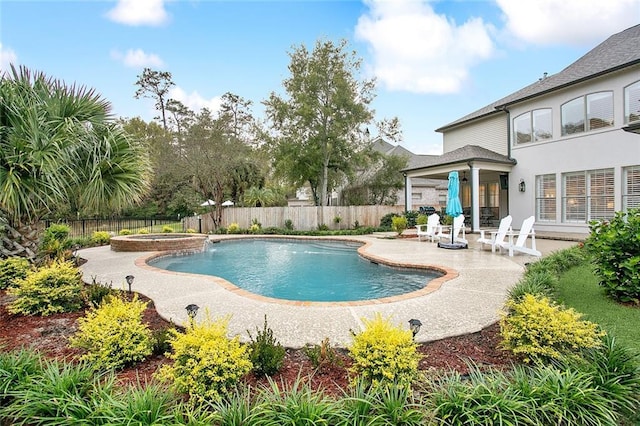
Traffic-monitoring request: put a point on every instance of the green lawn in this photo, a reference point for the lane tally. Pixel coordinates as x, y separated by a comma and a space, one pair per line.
578, 288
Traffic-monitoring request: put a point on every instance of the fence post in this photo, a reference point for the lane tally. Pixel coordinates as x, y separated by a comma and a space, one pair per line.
199, 224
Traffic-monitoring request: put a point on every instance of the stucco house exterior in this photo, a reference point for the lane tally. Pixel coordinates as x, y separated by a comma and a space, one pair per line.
565, 148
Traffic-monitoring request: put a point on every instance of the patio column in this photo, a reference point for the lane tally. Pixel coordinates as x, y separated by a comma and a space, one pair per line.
475, 198
407, 193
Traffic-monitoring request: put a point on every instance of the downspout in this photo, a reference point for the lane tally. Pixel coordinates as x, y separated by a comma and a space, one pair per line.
504, 108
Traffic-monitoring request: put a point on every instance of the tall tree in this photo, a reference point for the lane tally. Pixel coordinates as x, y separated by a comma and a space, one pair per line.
60, 145
318, 127
155, 84
237, 112
211, 155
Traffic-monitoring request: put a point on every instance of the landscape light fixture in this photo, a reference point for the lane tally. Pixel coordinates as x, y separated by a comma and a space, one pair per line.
522, 186
464, 177
192, 310
414, 325
74, 253
129, 279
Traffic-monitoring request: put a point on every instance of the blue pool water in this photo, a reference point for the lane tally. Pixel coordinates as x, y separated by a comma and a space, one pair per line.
293, 270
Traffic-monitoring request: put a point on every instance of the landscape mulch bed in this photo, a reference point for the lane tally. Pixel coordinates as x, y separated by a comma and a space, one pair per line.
49, 335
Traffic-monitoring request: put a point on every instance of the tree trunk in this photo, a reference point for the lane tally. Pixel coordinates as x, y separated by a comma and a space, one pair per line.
22, 241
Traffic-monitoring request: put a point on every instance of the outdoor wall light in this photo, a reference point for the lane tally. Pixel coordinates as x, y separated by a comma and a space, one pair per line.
129, 279
414, 325
192, 310
522, 186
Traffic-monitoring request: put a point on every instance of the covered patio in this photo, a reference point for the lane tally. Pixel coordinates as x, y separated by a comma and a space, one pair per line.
484, 181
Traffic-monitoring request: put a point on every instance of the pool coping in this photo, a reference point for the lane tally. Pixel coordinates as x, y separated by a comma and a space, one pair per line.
464, 304
431, 286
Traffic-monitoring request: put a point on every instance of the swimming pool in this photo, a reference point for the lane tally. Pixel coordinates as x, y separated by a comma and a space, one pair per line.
319, 271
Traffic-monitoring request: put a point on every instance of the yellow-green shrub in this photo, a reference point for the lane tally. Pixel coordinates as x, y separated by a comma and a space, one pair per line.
399, 224
537, 329
207, 364
12, 269
255, 228
100, 238
54, 288
234, 228
113, 334
125, 232
166, 229
191, 231
143, 231
384, 354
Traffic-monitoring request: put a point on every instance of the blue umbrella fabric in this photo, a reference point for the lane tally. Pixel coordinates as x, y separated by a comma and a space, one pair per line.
454, 208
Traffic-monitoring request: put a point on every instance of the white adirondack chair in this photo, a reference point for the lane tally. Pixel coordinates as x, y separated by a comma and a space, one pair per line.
520, 246
430, 229
496, 237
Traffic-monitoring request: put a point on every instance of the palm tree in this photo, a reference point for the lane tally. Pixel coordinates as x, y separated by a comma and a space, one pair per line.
60, 145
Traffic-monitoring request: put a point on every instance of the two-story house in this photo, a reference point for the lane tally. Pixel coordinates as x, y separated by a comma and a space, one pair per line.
564, 148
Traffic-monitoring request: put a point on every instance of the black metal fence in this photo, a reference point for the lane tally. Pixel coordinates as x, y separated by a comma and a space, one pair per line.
86, 227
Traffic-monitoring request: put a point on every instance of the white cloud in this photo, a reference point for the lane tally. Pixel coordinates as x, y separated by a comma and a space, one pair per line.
416, 50
7, 56
137, 58
139, 12
194, 101
570, 22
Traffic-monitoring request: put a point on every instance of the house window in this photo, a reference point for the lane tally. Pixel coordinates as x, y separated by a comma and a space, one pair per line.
416, 196
587, 196
630, 188
546, 198
585, 113
632, 103
532, 126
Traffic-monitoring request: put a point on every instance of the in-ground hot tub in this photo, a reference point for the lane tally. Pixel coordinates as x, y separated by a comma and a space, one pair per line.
158, 242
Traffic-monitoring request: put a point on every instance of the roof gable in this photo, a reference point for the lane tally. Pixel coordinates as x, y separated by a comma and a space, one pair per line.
619, 51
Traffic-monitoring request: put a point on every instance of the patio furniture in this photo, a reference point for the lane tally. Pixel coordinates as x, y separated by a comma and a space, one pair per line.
497, 237
430, 229
458, 226
523, 235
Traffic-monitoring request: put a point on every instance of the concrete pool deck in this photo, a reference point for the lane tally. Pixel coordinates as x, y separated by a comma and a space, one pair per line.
466, 303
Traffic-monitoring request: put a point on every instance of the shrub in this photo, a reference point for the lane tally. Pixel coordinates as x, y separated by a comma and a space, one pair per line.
323, 227
411, 216
96, 292
387, 220
322, 355
143, 231
51, 289
207, 364
57, 231
166, 229
125, 232
266, 353
538, 283
615, 248
288, 224
191, 231
422, 219
233, 228
254, 228
100, 238
113, 334
383, 353
539, 330
399, 224
161, 339
12, 269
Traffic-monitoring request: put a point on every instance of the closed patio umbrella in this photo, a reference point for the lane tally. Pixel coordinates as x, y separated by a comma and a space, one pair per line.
454, 208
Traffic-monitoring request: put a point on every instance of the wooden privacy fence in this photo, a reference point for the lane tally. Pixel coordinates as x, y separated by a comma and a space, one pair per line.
302, 218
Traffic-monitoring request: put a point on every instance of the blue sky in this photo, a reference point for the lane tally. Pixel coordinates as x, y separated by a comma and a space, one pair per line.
434, 61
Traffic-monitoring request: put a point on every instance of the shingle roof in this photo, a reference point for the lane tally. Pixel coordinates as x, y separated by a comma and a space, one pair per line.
460, 155
619, 51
